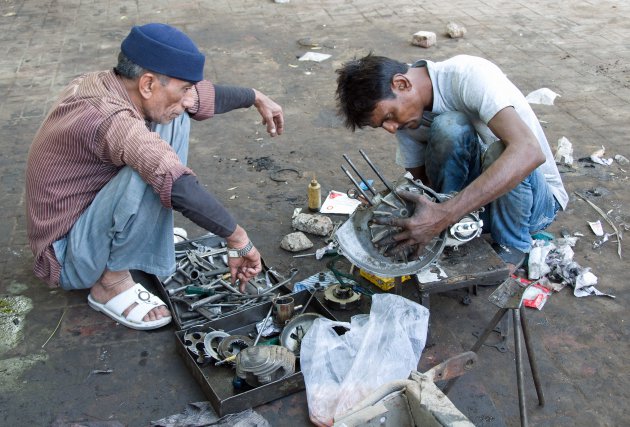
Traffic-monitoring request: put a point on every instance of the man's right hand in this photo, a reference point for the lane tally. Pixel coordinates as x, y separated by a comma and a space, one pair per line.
271, 113
427, 221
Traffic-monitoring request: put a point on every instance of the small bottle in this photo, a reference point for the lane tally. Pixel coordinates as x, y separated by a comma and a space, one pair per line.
314, 195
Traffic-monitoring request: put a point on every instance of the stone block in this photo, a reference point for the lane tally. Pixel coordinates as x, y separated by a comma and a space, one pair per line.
319, 225
424, 39
455, 31
296, 242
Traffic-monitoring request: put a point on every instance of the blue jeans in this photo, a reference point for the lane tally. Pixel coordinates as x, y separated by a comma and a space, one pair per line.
126, 227
455, 157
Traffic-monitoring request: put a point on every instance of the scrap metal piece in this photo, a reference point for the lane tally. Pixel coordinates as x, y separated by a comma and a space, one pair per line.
260, 365
376, 171
316, 287
282, 308
194, 342
508, 294
211, 343
195, 345
453, 367
357, 186
341, 297
264, 322
294, 331
365, 181
233, 345
273, 175
358, 239
502, 330
371, 247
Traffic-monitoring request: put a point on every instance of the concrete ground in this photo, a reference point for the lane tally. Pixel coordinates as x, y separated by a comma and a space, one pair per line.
578, 49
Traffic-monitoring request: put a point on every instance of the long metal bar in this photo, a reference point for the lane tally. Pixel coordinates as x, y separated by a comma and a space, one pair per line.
532, 360
207, 300
381, 177
356, 184
520, 382
376, 171
493, 323
265, 321
359, 174
315, 289
294, 271
482, 338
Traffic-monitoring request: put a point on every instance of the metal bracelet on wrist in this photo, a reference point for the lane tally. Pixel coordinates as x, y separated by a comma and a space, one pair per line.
237, 253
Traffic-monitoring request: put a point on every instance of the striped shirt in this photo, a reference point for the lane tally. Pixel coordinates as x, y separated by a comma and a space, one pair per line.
90, 133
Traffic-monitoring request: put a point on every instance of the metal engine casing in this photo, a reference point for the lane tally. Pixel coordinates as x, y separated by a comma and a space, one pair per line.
263, 364
356, 237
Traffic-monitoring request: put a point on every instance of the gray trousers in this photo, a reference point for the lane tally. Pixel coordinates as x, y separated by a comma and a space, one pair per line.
126, 227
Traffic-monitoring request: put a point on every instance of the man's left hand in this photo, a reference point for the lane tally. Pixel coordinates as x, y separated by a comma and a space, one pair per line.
271, 113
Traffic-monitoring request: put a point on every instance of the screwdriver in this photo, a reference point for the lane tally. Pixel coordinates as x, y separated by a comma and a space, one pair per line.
199, 290
327, 252
226, 360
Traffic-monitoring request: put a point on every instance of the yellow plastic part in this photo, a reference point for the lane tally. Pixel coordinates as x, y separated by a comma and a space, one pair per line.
385, 283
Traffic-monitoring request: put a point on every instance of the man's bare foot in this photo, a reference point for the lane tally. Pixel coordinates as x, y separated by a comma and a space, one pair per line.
113, 283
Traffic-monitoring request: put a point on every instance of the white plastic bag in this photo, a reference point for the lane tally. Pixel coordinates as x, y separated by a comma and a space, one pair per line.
543, 96
537, 265
340, 370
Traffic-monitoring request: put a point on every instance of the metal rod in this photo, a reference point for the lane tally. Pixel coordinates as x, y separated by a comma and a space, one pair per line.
241, 297
235, 304
216, 272
206, 300
532, 360
192, 323
173, 291
482, 338
367, 184
356, 184
315, 289
262, 328
522, 408
493, 323
304, 255
294, 271
376, 171
381, 177
230, 288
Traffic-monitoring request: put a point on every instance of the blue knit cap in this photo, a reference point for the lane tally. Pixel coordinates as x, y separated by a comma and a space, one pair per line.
166, 50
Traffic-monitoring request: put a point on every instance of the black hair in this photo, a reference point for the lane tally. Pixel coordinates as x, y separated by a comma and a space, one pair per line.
361, 84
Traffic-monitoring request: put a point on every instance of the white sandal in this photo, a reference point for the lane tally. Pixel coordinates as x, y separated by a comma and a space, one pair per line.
145, 302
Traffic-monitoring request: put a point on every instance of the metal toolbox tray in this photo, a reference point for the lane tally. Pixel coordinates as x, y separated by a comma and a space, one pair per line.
217, 381
201, 262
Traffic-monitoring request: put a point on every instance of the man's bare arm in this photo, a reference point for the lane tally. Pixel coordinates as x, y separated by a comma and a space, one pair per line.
521, 156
